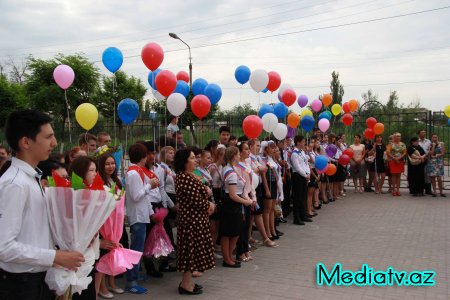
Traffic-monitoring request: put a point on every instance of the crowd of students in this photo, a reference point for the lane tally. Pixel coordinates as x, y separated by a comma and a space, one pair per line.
218, 196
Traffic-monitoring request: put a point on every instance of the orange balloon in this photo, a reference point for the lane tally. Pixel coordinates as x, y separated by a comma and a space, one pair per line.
353, 105
378, 128
293, 120
331, 170
327, 100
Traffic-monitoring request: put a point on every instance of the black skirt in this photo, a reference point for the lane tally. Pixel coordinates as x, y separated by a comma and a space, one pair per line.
259, 199
230, 217
273, 191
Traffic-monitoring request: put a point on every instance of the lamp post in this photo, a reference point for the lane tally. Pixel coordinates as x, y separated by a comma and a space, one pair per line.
174, 36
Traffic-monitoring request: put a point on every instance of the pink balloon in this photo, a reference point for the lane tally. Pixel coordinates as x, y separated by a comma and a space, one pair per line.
324, 124
316, 105
64, 76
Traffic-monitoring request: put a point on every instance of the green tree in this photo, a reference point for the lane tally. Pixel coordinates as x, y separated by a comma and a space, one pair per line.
337, 89
114, 89
12, 97
45, 95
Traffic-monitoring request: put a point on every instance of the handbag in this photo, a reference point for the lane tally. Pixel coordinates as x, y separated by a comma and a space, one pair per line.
415, 161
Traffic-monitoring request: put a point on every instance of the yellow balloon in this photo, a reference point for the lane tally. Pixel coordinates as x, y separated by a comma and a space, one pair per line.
306, 112
336, 109
447, 111
86, 115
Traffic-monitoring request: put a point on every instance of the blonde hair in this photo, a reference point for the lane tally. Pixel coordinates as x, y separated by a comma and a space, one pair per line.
230, 153
163, 152
219, 152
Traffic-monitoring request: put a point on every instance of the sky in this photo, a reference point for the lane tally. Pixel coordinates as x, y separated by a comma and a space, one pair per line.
380, 45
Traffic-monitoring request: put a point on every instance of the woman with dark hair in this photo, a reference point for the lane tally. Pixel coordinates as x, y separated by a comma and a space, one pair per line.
72, 154
108, 172
416, 168
435, 166
378, 166
212, 147
195, 250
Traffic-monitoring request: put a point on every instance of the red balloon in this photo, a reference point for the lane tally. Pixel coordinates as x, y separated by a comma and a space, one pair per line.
346, 107
182, 75
347, 119
165, 82
370, 122
152, 55
344, 160
289, 96
200, 106
274, 81
348, 152
369, 133
252, 126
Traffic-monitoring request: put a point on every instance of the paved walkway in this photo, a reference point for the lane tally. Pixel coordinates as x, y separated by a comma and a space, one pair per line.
403, 232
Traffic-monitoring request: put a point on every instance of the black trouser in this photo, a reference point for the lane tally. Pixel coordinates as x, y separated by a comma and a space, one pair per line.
242, 243
24, 286
89, 293
299, 195
287, 186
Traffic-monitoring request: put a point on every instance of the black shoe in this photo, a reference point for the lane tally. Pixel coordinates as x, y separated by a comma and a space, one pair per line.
236, 265
306, 220
433, 194
314, 214
331, 200
299, 223
283, 220
195, 291
198, 287
318, 207
279, 233
275, 237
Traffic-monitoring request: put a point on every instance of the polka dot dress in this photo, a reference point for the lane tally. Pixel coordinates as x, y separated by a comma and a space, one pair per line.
195, 250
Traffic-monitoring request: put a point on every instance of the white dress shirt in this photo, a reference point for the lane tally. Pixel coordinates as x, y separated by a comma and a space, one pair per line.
169, 178
425, 144
26, 244
137, 196
159, 195
299, 162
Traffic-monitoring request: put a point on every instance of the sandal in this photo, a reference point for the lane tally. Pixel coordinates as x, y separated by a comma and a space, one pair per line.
269, 243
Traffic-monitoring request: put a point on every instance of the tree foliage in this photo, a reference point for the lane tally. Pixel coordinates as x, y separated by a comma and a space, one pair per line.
12, 97
337, 89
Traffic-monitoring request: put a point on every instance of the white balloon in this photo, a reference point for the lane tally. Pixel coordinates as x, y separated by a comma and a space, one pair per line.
283, 87
280, 132
270, 122
176, 104
259, 80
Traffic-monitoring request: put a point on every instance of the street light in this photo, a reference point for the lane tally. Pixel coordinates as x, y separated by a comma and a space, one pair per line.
174, 36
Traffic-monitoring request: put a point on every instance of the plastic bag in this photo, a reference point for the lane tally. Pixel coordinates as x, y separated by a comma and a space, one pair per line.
117, 260
75, 217
158, 242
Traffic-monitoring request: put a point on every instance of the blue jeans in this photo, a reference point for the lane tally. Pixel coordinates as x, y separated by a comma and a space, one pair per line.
138, 234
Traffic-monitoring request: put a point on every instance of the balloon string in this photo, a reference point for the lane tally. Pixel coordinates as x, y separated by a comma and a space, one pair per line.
240, 94
126, 138
86, 140
68, 116
165, 124
114, 84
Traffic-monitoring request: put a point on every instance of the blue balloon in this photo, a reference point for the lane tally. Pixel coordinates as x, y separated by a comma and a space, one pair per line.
280, 110
112, 59
265, 109
182, 88
325, 115
307, 123
152, 77
128, 110
321, 162
198, 86
242, 74
213, 92
265, 90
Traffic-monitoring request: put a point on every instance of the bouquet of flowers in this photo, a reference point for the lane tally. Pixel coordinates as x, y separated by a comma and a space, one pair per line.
76, 213
119, 259
158, 242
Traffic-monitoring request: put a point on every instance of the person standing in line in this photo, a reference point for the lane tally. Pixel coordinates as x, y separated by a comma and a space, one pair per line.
172, 127
300, 178
26, 246
378, 167
358, 167
416, 165
224, 135
396, 151
103, 139
435, 166
426, 146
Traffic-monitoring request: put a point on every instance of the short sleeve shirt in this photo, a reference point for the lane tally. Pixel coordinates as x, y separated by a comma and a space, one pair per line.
232, 178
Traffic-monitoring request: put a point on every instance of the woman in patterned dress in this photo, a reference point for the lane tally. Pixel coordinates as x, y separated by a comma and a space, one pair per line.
435, 166
195, 250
